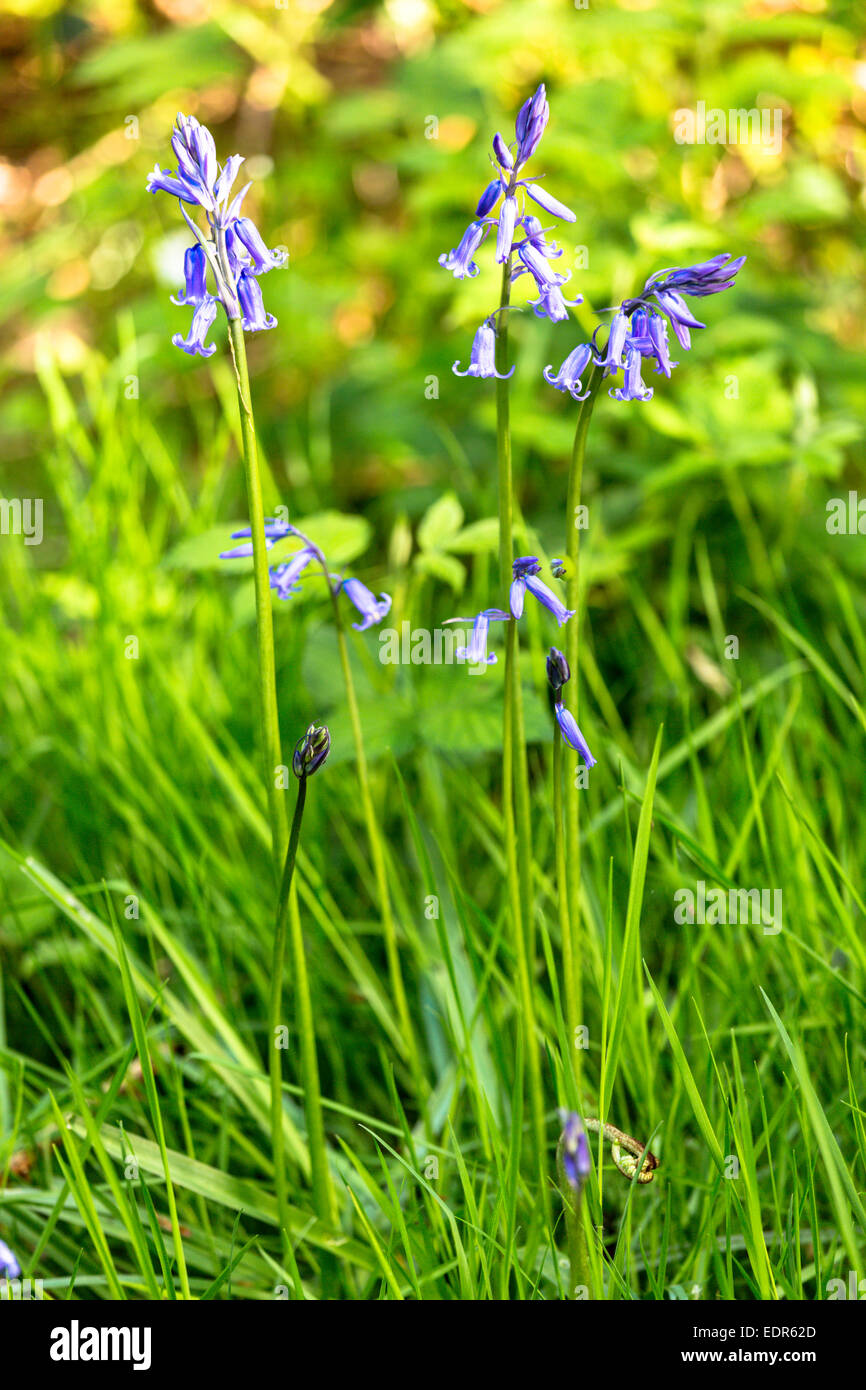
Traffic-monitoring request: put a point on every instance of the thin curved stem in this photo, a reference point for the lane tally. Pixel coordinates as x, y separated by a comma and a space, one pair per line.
270, 720
574, 968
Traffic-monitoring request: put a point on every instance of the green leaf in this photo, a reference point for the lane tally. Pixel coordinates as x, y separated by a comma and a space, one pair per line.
440, 522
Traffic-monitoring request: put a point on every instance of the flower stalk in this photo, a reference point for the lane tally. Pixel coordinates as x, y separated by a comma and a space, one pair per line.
268, 711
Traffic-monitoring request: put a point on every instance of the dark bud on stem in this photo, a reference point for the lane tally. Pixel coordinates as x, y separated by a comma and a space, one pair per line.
311, 750
558, 672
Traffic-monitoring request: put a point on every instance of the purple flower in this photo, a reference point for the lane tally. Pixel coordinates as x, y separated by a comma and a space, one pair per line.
576, 1160
547, 201
460, 259
372, 610
194, 276
274, 531
530, 124
283, 578
708, 277
551, 304
234, 252
252, 305
571, 733
633, 388
476, 653
482, 360
505, 232
488, 200
526, 571
612, 360
569, 374
194, 342
263, 259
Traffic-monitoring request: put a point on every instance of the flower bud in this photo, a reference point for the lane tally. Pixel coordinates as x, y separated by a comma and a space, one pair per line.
311, 751
558, 670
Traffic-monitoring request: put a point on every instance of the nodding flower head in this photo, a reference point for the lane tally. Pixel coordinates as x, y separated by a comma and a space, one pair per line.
311, 751
640, 326
372, 609
568, 378
576, 1160
482, 361
558, 670
526, 571
234, 253
9, 1266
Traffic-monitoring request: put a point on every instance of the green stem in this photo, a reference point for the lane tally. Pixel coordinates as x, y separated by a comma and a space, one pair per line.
287, 911
572, 1017
574, 970
580, 1274
518, 845
264, 614
377, 854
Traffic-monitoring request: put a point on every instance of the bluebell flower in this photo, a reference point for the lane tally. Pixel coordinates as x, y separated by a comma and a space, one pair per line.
482, 361
576, 1159
460, 259
633, 388
234, 253
613, 354
9, 1266
194, 277
525, 571
252, 306
372, 609
476, 653
571, 733
274, 531
194, 343
568, 378
284, 577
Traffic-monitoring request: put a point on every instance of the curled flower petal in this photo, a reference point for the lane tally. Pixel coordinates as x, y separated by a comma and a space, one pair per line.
483, 357
569, 374
263, 259
202, 319
459, 260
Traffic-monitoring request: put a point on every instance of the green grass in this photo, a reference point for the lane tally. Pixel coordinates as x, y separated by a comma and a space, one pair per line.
137, 892
137, 919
